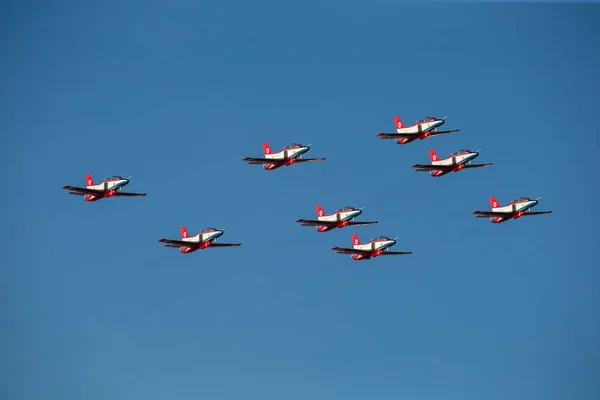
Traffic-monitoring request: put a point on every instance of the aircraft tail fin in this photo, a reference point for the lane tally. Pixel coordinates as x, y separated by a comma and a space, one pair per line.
267, 149
433, 155
320, 212
398, 121
184, 232
494, 202
88, 180
355, 239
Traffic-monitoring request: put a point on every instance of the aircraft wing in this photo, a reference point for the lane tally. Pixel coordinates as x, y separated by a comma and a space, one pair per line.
298, 160
213, 244
429, 167
489, 214
536, 213
254, 160
82, 191
312, 222
395, 253
358, 223
397, 135
477, 165
435, 133
178, 243
345, 250
128, 194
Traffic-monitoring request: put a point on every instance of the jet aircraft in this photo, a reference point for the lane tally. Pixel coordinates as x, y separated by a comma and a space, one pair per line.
419, 130
203, 239
518, 208
287, 156
454, 163
108, 188
375, 248
342, 217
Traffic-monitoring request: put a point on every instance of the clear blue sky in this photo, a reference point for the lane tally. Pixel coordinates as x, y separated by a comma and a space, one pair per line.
93, 307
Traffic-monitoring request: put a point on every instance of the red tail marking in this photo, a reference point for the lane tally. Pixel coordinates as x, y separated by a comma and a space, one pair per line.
184, 232
266, 148
355, 239
398, 121
433, 155
88, 180
320, 212
493, 202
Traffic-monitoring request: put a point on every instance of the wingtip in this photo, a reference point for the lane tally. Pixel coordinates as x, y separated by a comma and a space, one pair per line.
161, 240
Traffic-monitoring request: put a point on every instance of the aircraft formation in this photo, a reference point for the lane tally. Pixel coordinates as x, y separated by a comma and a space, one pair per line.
293, 154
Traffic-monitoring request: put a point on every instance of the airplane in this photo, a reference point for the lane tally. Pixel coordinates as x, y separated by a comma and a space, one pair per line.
454, 163
342, 217
287, 156
203, 239
109, 187
419, 130
518, 208
375, 248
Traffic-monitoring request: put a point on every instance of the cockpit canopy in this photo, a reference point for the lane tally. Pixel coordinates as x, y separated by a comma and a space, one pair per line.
381, 238
115, 178
209, 229
462, 152
521, 200
346, 208
293, 146
429, 119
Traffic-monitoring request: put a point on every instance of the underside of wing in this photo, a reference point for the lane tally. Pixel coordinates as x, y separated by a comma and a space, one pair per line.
345, 250
128, 194
312, 222
213, 244
358, 223
253, 160
477, 165
435, 133
300, 160
485, 214
397, 135
82, 191
395, 253
429, 167
536, 213
178, 243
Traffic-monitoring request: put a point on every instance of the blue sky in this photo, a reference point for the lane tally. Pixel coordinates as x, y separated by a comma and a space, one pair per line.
176, 95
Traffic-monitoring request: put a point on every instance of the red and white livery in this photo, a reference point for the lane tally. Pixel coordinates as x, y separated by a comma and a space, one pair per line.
520, 207
108, 188
342, 217
419, 130
454, 163
203, 239
375, 248
287, 156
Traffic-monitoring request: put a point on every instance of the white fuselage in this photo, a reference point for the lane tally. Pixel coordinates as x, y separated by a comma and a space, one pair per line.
421, 127
112, 185
456, 160
340, 216
516, 207
287, 153
203, 237
375, 245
